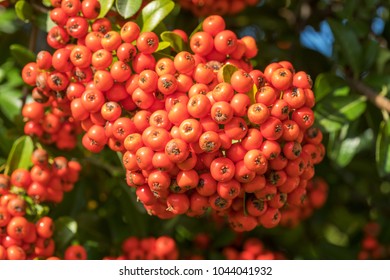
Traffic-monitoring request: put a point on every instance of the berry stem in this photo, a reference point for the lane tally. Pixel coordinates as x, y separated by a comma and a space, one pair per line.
377, 99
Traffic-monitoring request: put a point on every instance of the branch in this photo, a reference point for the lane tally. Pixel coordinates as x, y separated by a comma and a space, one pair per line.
379, 101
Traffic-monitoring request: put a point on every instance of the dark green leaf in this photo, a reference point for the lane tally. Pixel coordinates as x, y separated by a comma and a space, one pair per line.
134, 218
21, 54
153, 13
379, 82
360, 27
327, 83
128, 8
65, 231
335, 111
344, 107
199, 27
7, 22
23, 10
382, 154
10, 103
371, 51
5, 140
176, 42
383, 58
349, 44
346, 143
227, 72
105, 6
348, 9
20, 154
326, 123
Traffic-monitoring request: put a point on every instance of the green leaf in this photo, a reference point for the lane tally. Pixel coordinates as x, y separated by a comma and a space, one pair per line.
7, 21
22, 54
327, 83
23, 10
382, 154
65, 231
10, 102
346, 143
371, 51
227, 72
5, 140
153, 13
163, 46
326, 123
199, 27
105, 6
349, 44
383, 58
128, 8
133, 217
176, 42
335, 111
46, 3
336, 237
20, 154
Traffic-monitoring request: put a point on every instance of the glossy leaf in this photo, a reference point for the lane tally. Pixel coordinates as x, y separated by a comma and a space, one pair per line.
334, 111
327, 83
7, 22
153, 13
382, 60
382, 154
348, 42
20, 154
227, 72
128, 8
371, 51
10, 103
65, 231
198, 28
105, 6
24, 10
5, 140
176, 42
346, 143
22, 54
163, 46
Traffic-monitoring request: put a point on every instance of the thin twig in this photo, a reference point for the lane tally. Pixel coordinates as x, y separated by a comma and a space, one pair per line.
379, 101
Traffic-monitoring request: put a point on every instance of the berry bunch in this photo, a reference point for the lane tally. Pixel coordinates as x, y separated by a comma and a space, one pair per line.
371, 247
198, 129
149, 248
20, 238
47, 180
316, 195
201, 8
25, 230
251, 249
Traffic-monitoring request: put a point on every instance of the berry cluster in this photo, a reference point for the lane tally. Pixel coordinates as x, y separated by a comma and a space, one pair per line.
21, 239
25, 231
149, 248
251, 249
371, 247
198, 129
201, 8
316, 195
48, 178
